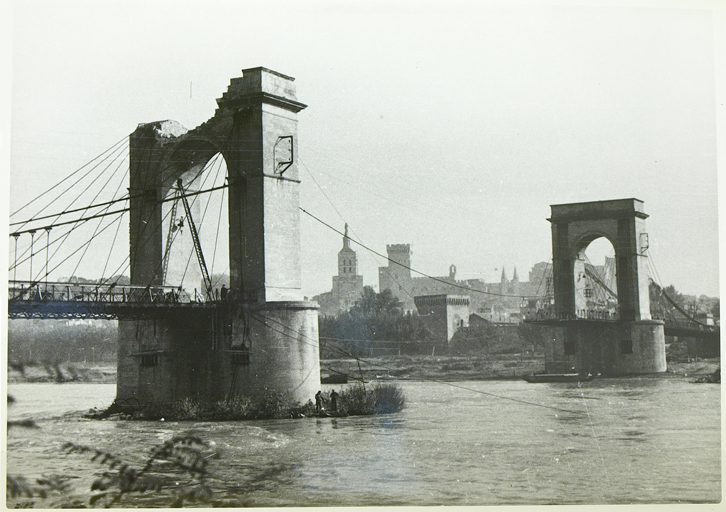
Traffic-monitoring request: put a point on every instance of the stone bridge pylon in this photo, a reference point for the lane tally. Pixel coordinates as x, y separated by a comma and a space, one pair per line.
263, 338
628, 343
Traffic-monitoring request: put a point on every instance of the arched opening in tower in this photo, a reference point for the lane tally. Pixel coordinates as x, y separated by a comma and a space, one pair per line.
596, 291
196, 234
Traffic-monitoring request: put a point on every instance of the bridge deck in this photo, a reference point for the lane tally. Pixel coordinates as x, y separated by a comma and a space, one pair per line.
672, 326
50, 309
73, 300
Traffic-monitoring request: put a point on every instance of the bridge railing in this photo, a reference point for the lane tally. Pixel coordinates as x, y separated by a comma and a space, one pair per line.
610, 315
105, 293
686, 324
549, 313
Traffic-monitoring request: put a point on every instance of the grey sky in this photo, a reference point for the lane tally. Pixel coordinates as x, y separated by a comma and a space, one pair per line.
450, 126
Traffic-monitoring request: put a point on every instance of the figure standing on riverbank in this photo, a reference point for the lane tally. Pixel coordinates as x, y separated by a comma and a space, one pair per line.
318, 401
334, 401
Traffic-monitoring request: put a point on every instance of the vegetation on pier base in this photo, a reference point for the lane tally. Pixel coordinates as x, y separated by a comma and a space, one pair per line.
378, 399
355, 400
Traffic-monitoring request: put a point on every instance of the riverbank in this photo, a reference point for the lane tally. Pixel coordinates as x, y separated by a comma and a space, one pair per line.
61, 373
421, 368
433, 368
459, 368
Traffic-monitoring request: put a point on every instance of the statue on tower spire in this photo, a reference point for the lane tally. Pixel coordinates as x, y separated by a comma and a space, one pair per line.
346, 240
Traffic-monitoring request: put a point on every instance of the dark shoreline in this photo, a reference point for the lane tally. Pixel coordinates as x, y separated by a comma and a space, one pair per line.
63, 373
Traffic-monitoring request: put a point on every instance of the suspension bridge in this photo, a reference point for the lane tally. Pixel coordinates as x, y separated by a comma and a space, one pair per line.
611, 320
114, 298
198, 233
76, 239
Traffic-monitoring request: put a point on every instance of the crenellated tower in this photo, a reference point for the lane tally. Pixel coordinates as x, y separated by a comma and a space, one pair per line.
397, 275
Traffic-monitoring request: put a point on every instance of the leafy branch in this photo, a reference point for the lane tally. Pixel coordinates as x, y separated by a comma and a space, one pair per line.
19, 486
184, 454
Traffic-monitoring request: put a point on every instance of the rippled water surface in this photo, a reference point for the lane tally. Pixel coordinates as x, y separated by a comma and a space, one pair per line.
638, 440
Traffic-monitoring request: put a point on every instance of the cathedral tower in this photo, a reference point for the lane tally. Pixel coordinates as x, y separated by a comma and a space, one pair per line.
347, 285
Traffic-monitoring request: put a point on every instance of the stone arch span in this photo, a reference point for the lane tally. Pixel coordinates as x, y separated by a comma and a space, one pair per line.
581, 245
188, 155
255, 130
622, 222
199, 164
162, 153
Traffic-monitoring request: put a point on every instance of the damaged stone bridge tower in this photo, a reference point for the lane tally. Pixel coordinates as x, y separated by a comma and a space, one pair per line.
263, 338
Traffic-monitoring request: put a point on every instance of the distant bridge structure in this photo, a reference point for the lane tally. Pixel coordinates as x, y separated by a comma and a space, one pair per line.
676, 320
625, 335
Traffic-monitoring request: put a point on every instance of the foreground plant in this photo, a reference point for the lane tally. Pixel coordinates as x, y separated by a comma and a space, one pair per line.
47, 488
182, 456
176, 472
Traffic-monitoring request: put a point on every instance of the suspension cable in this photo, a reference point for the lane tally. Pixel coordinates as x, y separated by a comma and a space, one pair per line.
110, 252
25, 252
84, 219
15, 261
159, 226
79, 180
47, 245
343, 219
543, 279
417, 271
314, 343
32, 241
118, 226
219, 159
83, 245
93, 235
216, 237
76, 210
107, 208
112, 148
201, 221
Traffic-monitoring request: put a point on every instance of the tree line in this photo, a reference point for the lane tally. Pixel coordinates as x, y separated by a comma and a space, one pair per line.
375, 317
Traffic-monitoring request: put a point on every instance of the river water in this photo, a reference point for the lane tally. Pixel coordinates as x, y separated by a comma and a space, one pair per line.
608, 441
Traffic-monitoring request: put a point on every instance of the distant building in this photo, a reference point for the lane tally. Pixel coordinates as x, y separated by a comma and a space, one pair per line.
497, 302
444, 315
397, 275
347, 285
597, 286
